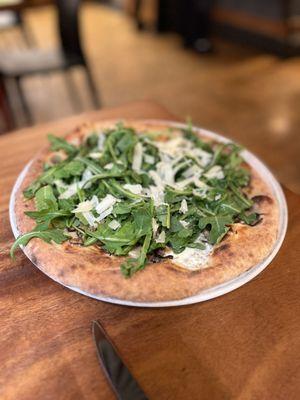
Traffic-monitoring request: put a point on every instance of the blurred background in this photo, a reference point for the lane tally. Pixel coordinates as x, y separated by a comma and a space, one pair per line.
233, 66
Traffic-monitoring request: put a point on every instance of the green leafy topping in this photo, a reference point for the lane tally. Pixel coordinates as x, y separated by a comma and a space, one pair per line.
58, 143
219, 226
41, 232
135, 195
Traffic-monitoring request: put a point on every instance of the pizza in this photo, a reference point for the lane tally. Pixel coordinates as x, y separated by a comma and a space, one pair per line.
142, 211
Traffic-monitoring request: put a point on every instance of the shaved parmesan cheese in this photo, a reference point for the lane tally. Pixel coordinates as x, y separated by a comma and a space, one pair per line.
95, 155
104, 214
175, 147
185, 182
91, 220
106, 203
60, 184
215, 172
185, 224
181, 165
108, 166
101, 140
156, 179
157, 194
161, 237
165, 157
165, 172
149, 159
193, 171
73, 188
84, 206
114, 224
204, 156
135, 189
95, 201
217, 197
177, 159
137, 157
200, 184
183, 207
87, 174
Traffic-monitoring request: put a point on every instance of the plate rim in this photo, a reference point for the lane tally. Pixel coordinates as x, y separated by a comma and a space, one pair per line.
215, 291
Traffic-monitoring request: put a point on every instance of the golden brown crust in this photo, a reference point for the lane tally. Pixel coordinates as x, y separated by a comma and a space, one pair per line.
92, 271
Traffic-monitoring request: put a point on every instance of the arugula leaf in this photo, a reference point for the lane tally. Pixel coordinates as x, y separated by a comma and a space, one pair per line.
96, 169
125, 236
119, 189
72, 168
132, 265
42, 232
163, 215
45, 199
46, 215
58, 143
191, 135
30, 191
218, 226
47, 177
142, 220
249, 219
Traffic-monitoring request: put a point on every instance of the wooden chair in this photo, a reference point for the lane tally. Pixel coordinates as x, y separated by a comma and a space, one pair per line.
16, 65
7, 121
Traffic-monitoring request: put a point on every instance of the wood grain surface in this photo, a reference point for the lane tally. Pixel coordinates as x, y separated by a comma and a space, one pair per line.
244, 345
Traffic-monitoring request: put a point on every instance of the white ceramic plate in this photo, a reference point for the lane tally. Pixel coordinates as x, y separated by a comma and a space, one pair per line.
215, 291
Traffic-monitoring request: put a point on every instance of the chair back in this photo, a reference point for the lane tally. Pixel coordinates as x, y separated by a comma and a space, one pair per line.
69, 29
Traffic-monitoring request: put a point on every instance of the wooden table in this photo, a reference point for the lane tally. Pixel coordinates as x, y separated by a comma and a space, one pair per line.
244, 345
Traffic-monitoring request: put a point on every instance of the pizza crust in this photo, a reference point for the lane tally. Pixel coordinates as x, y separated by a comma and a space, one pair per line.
91, 270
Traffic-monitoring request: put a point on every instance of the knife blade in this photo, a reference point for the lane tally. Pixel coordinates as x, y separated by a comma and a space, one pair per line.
118, 375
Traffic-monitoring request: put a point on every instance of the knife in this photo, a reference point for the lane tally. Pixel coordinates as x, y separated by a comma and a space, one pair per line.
120, 378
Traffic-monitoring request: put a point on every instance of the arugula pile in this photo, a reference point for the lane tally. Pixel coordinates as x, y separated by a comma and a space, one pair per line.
135, 195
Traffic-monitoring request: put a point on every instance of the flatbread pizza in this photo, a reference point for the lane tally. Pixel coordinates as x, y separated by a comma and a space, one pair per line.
141, 211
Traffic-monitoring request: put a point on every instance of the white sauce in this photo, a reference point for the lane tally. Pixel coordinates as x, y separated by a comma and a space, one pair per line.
192, 259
